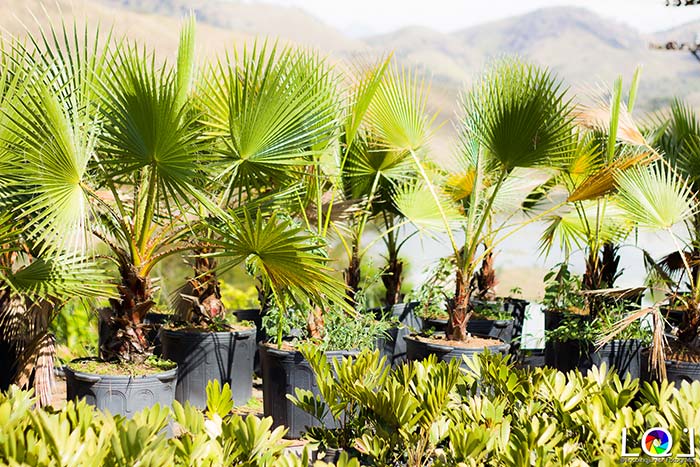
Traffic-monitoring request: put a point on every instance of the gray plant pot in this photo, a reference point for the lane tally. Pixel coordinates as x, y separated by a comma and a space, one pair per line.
226, 357
418, 350
677, 372
283, 372
393, 346
621, 356
122, 395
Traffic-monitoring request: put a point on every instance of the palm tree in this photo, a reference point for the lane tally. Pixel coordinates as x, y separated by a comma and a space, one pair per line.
272, 115
657, 199
43, 150
516, 117
607, 142
385, 122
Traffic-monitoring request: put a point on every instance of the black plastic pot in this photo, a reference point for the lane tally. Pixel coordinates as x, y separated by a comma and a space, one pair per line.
283, 372
253, 315
418, 350
7, 361
226, 357
677, 371
565, 355
531, 359
498, 329
119, 394
621, 356
393, 346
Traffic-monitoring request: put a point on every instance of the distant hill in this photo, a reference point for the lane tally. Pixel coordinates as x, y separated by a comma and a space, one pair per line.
254, 19
582, 47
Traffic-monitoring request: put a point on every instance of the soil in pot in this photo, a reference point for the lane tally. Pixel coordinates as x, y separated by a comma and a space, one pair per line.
203, 356
497, 329
120, 388
420, 347
284, 370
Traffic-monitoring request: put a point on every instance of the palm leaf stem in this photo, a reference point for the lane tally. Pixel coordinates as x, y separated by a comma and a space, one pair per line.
438, 202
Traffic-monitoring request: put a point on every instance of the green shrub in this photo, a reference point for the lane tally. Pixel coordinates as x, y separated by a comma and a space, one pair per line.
422, 413
81, 436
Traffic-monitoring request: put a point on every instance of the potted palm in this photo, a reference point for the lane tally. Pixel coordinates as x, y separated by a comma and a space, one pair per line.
658, 199
264, 111
386, 120
134, 176
516, 117
607, 142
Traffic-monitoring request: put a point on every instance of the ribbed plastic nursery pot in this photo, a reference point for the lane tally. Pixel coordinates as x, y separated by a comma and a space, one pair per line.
393, 346
283, 372
226, 357
679, 371
417, 349
121, 394
624, 357
254, 315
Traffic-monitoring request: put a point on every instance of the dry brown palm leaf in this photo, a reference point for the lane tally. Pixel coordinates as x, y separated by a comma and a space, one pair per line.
340, 210
597, 118
603, 181
658, 343
37, 360
617, 293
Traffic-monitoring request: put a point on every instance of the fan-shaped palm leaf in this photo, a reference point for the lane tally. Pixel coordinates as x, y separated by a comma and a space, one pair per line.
282, 255
585, 225
520, 115
680, 139
267, 111
397, 114
655, 197
417, 204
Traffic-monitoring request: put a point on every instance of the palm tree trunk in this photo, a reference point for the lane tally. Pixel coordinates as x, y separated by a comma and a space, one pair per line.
124, 335
352, 273
602, 270
460, 309
392, 279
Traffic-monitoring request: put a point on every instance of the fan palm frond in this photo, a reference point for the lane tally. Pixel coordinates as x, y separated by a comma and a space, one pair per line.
585, 225
397, 114
417, 204
655, 197
286, 258
520, 114
268, 110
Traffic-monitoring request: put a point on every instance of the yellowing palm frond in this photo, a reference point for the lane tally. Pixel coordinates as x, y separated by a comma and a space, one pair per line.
604, 180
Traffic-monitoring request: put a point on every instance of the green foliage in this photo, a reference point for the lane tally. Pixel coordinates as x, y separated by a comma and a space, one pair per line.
75, 329
343, 330
421, 413
562, 290
78, 435
494, 413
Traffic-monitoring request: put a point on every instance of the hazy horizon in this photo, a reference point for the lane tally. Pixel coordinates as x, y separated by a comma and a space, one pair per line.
367, 17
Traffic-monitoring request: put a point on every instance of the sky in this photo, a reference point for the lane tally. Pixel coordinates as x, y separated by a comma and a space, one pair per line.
364, 17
